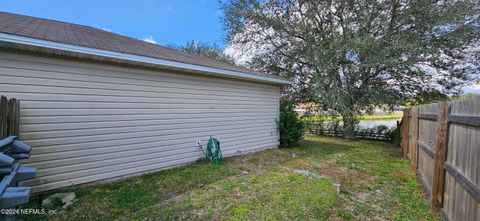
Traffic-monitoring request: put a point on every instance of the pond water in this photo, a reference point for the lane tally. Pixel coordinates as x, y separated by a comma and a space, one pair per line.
375, 123
366, 124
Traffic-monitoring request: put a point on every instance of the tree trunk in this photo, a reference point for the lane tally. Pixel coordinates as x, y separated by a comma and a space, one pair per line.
349, 128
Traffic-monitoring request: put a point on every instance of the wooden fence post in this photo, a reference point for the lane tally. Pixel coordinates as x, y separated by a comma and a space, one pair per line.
438, 169
415, 112
9, 117
12, 117
3, 116
405, 132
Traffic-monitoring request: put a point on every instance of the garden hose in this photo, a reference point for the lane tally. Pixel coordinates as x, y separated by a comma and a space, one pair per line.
213, 152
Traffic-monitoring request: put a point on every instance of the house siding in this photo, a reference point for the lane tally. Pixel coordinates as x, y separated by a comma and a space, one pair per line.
90, 121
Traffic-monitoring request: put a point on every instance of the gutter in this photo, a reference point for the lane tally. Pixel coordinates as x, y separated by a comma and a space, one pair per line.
15, 39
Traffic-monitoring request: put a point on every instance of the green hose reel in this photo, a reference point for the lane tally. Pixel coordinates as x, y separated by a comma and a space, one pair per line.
213, 152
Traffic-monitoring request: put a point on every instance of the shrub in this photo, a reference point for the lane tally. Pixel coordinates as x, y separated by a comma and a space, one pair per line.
375, 131
290, 126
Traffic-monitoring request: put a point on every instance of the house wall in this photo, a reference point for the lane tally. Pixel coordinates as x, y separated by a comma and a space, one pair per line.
90, 121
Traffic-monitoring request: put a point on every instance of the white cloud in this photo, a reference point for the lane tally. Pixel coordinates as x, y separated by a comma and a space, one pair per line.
149, 39
106, 29
241, 57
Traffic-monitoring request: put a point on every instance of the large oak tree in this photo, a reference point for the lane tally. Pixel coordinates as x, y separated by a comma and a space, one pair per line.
211, 51
351, 55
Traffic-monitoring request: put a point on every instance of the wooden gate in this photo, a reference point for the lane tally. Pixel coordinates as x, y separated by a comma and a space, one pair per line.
9, 117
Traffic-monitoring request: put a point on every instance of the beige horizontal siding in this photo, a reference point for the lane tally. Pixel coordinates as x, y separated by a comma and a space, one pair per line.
91, 121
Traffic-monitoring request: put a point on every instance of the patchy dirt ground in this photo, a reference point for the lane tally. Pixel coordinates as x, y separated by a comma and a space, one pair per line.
323, 179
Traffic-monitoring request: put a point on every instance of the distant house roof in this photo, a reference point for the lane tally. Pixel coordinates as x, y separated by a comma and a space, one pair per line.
79, 38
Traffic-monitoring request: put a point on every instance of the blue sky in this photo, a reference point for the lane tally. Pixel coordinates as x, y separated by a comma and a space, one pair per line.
475, 89
165, 21
162, 21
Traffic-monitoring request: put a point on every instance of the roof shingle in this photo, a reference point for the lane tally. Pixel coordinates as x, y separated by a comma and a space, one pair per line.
80, 35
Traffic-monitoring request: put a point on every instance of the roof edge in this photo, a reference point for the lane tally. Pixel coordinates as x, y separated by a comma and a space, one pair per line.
16, 39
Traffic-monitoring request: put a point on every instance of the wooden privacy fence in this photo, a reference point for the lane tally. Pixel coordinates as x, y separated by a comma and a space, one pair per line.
442, 141
9, 117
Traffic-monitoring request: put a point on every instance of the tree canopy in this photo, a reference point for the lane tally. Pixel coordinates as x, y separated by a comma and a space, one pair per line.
351, 56
211, 51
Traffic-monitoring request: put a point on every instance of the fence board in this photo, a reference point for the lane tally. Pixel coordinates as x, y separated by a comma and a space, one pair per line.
425, 170
426, 148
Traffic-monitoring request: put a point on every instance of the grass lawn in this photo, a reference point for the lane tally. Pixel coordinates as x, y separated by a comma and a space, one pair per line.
395, 115
277, 184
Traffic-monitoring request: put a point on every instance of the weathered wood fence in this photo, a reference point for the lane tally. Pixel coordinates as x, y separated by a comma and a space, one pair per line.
358, 134
442, 141
9, 117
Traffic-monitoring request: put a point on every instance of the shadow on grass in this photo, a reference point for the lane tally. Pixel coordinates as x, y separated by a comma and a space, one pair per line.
113, 200
363, 167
